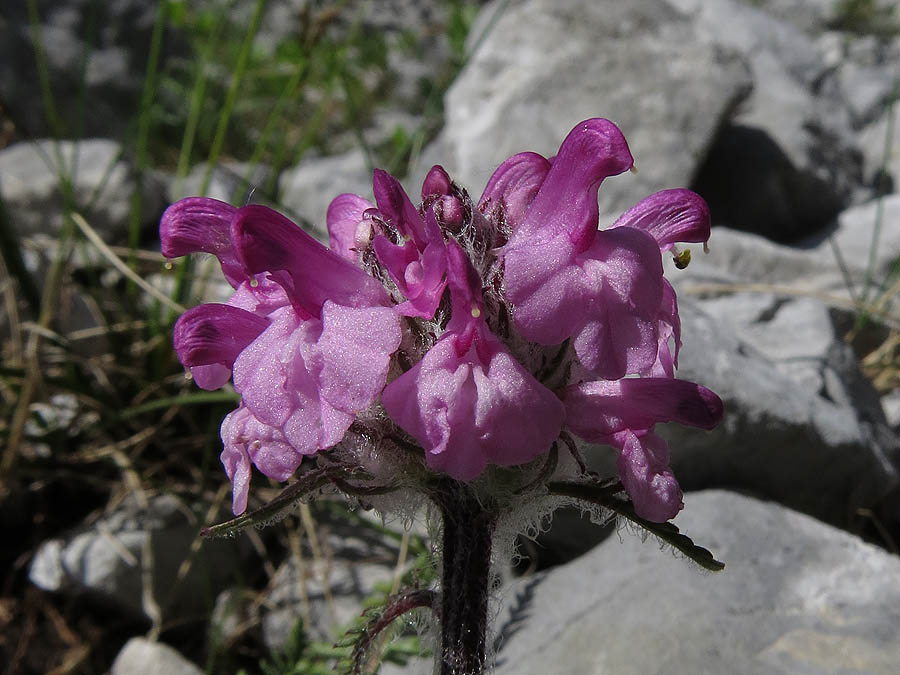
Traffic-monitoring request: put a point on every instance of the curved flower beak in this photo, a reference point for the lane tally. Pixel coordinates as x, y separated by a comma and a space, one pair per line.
567, 199
214, 335
670, 216
266, 241
200, 224
513, 187
348, 228
396, 207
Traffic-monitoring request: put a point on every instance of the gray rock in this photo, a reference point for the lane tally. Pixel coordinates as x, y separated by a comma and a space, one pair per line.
109, 41
47, 569
307, 190
796, 596
109, 559
863, 72
786, 162
810, 16
802, 426
880, 142
234, 611
354, 559
102, 187
140, 656
544, 66
891, 404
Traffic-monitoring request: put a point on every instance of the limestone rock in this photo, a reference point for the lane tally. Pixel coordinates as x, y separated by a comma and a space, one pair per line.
110, 41
109, 559
786, 162
801, 425
354, 558
140, 656
796, 596
543, 66
102, 183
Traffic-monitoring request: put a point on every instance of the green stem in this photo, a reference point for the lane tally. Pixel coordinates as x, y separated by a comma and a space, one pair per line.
140, 162
240, 70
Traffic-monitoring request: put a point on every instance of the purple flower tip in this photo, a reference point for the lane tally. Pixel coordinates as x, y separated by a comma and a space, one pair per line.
670, 216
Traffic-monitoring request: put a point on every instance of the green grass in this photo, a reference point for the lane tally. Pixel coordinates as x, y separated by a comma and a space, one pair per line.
880, 18
138, 426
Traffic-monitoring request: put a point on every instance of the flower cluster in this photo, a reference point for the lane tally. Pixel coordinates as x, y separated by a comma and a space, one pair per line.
483, 332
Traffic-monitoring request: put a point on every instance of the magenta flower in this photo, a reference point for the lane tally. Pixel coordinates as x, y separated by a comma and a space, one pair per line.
478, 333
567, 280
312, 351
622, 413
468, 402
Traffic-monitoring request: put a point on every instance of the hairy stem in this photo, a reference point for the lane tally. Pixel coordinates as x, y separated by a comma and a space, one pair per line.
468, 533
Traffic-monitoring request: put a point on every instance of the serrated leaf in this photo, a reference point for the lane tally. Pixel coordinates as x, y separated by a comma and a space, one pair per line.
307, 483
669, 533
276, 509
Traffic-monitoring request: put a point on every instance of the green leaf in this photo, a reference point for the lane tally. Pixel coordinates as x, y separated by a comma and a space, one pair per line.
276, 509
293, 494
192, 398
607, 497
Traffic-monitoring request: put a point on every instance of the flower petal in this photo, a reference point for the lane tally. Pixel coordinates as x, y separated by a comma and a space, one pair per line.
214, 334
607, 298
644, 469
670, 216
263, 371
211, 376
350, 359
419, 275
513, 187
348, 229
473, 409
669, 327
309, 377
437, 182
319, 427
200, 224
616, 343
396, 207
262, 297
247, 439
236, 461
567, 199
396, 258
266, 241
597, 410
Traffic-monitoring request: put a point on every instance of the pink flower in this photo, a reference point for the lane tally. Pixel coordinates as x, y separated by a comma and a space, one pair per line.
604, 289
417, 263
306, 365
622, 413
468, 402
448, 326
